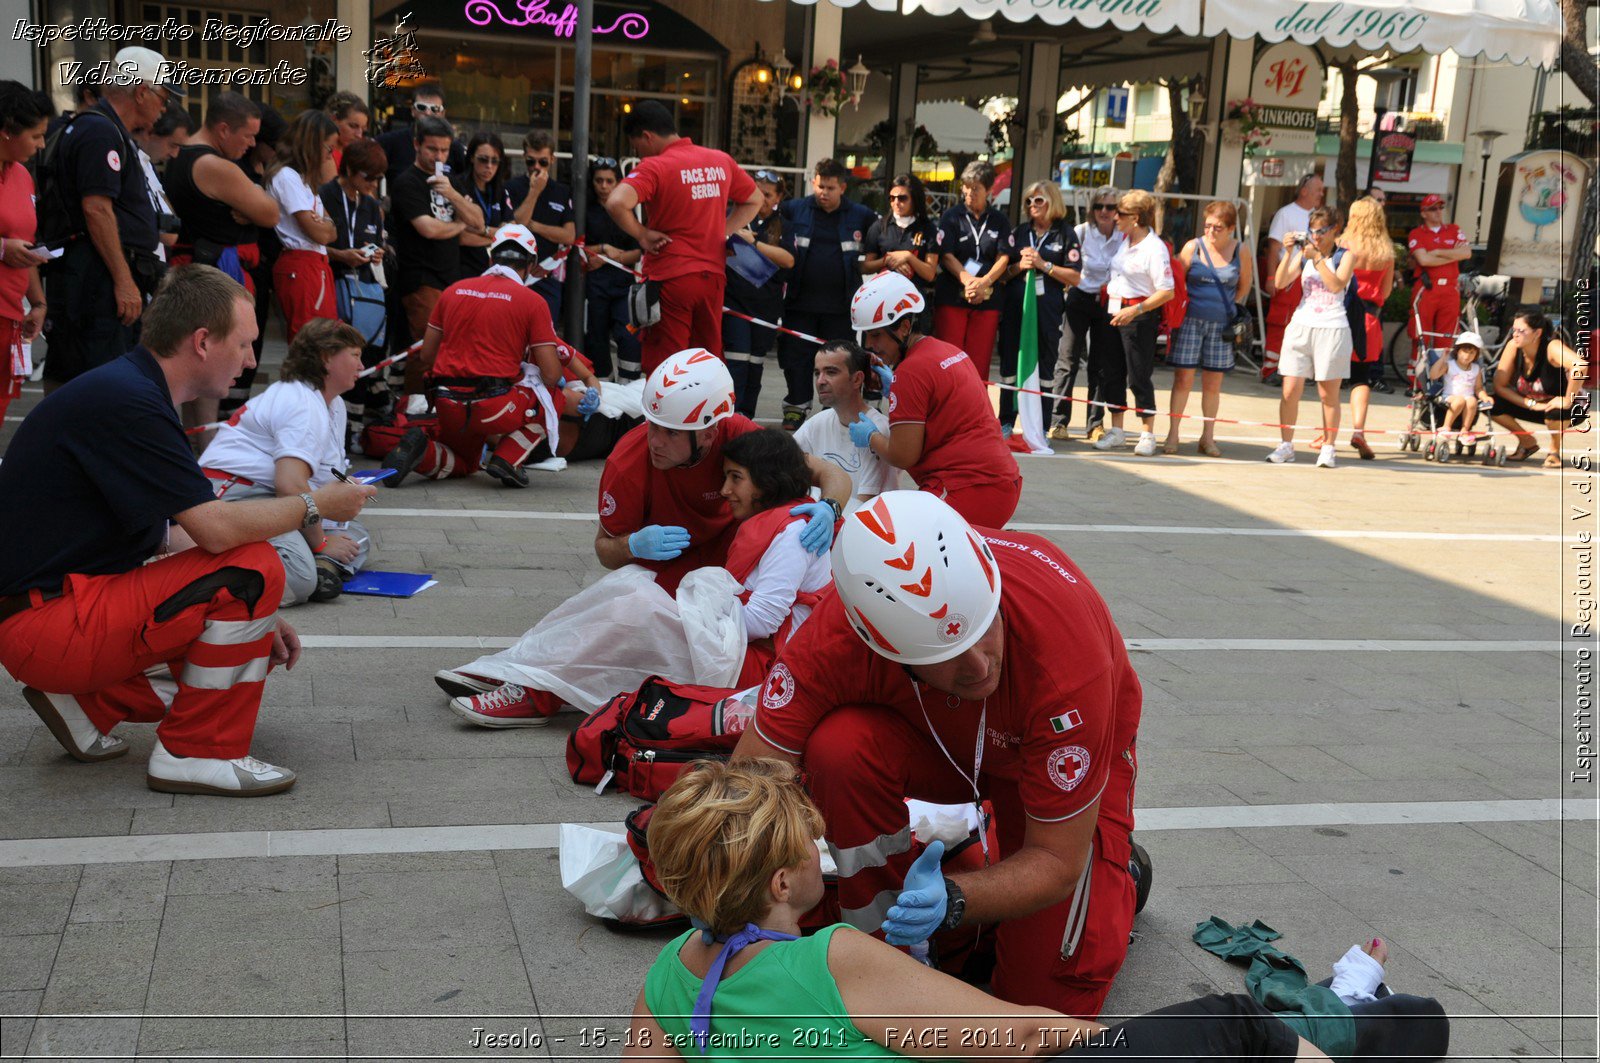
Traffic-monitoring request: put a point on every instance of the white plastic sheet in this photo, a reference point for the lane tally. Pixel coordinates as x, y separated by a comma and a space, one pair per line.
599, 869
621, 630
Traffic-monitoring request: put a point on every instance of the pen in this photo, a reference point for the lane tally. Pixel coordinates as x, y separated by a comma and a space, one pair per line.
341, 476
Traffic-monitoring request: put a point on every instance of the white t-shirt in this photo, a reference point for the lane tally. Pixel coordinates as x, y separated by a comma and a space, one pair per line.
292, 196
1140, 270
1098, 251
825, 436
784, 570
1320, 307
288, 420
1462, 382
1291, 218
158, 196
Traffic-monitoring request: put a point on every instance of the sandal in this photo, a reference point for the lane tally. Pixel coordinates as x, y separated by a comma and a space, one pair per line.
1208, 448
1523, 453
1552, 461
1170, 446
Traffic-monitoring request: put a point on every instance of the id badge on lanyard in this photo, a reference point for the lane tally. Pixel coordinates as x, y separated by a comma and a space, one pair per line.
1038, 280
977, 765
974, 265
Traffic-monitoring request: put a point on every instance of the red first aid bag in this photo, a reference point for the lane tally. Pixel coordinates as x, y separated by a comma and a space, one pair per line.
646, 738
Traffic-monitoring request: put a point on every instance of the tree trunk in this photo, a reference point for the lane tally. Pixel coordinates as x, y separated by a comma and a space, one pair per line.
1180, 170
1344, 171
1575, 60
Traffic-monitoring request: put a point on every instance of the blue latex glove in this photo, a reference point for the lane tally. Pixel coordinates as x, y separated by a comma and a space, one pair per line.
589, 403
817, 535
862, 430
885, 374
658, 542
920, 908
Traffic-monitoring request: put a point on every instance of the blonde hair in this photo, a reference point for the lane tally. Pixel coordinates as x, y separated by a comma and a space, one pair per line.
1142, 204
721, 832
1056, 206
1367, 234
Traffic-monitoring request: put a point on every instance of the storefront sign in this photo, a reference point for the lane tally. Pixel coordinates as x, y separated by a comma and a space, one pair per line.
562, 22
1372, 27
1271, 167
1537, 206
1391, 157
1286, 86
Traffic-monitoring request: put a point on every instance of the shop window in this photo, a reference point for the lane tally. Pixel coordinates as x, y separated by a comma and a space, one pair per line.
1144, 101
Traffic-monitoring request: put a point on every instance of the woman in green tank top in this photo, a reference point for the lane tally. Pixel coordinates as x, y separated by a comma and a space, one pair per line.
734, 848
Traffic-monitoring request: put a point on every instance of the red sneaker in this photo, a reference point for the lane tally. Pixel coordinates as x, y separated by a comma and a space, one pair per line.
509, 706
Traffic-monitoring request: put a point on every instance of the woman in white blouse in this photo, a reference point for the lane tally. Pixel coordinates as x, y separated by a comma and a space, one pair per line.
288, 441
1141, 284
301, 276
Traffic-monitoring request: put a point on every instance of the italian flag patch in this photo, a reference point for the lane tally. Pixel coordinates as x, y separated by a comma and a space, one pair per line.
1065, 722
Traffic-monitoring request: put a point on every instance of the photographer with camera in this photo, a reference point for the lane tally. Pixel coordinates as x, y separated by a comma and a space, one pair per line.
96, 207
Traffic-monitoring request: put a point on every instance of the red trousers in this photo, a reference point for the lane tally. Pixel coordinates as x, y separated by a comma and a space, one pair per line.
691, 316
304, 283
971, 330
989, 504
183, 642
863, 762
466, 425
1279, 310
1439, 308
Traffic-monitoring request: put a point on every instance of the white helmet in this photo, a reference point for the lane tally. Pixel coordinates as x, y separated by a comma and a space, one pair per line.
883, 300
918, 584
691, 389
517, 235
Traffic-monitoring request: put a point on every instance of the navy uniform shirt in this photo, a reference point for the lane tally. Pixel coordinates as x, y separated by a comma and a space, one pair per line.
93, 475
600, 228
97, 157
356, 225
1058, 245
554, 208
920, 238
496, 207
966, 237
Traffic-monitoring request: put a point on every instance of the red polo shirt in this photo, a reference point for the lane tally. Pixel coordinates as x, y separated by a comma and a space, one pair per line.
937, 386
489, 323
686, 191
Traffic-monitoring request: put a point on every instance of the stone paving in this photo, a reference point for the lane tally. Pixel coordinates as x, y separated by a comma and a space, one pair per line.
402, 955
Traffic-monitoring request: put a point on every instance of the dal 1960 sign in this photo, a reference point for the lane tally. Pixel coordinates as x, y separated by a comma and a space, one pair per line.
563, 23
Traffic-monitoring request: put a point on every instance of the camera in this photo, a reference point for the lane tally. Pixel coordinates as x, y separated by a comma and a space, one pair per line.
168, 224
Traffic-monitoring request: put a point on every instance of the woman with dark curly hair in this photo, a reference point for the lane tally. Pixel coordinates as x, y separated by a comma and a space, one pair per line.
23, 115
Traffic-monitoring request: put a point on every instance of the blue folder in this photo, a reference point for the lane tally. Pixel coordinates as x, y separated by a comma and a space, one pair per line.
749, 263
388, 584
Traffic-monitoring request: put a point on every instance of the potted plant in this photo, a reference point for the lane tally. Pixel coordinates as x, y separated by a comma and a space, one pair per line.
825, 89
1244, 122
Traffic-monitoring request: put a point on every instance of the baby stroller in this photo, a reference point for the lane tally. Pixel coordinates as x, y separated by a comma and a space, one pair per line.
1427, 414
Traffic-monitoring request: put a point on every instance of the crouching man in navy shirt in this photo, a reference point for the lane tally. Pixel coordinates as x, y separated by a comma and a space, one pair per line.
98, 480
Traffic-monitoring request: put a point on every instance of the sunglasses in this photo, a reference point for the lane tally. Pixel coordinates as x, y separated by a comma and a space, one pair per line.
543, 164
767, 176
1105, 206
370, 176
1037, 201
1127, 214
902, 198
1522, 331
1322, 231
429, 108
1431, 210
486, 160
604, 162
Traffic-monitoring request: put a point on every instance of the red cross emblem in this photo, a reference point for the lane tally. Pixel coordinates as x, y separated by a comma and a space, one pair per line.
953, 630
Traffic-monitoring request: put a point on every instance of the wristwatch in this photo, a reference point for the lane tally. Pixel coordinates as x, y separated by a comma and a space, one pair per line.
955, 906
312, 518
831, 504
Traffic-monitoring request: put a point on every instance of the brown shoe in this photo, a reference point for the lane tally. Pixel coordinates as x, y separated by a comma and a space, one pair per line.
72, 728
1360, 443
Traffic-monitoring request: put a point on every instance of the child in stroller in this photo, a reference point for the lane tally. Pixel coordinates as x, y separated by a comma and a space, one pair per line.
1447, 397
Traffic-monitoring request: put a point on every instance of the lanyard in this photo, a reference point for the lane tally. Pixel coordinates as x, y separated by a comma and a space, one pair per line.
350, 215
977, 234
977, 764
485, 206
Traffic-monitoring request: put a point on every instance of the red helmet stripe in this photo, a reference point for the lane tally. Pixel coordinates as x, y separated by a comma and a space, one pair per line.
943, 609
904, 562
694, 414
877, 636
923, 587
983, 560
878, 521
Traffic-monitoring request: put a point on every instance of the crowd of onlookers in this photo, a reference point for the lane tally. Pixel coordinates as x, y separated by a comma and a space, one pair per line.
325, 221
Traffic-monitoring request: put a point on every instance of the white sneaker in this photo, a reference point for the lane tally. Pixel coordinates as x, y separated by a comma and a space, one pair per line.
72, 728
1112, 439
244, 777
1147, 445
1282, 454
1326, 458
